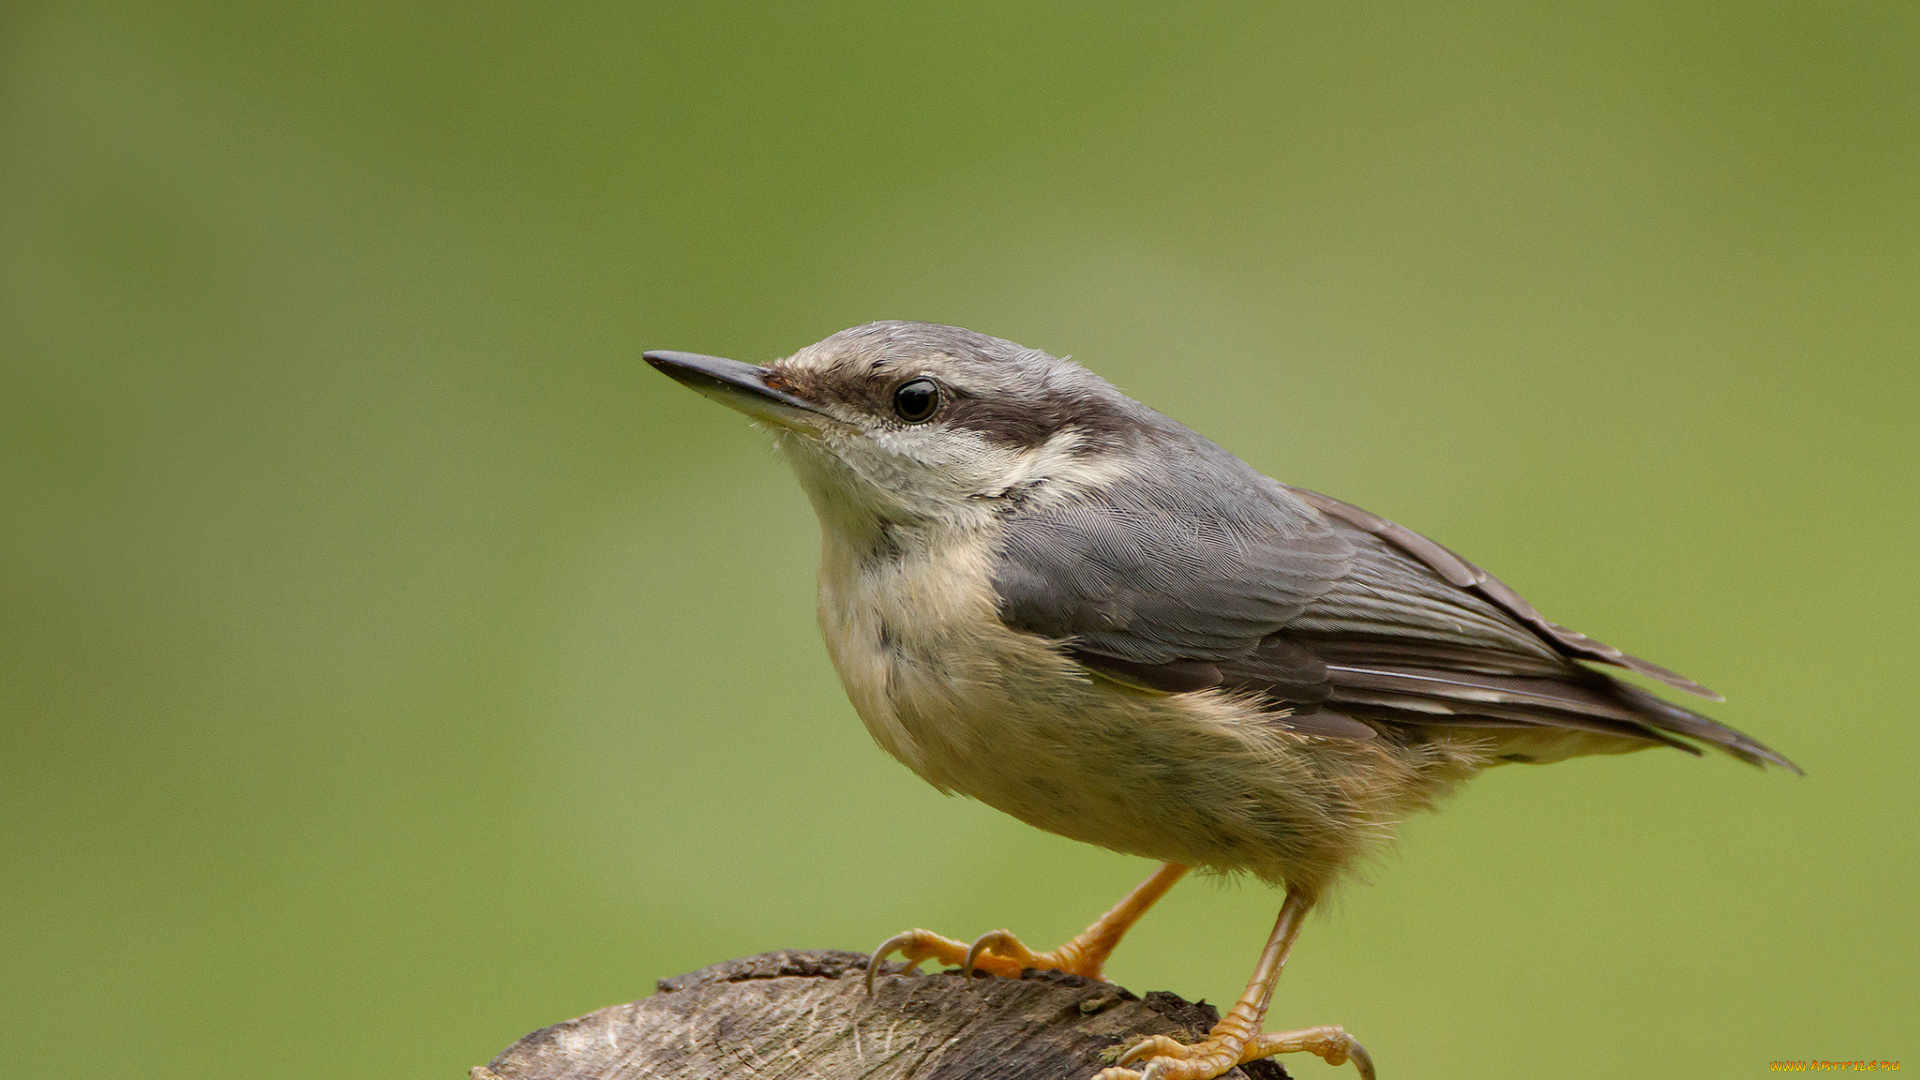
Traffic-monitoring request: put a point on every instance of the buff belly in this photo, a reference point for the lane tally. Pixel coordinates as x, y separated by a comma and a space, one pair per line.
1201, 778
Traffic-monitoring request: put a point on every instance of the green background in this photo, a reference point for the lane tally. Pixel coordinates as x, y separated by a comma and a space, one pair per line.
391, 664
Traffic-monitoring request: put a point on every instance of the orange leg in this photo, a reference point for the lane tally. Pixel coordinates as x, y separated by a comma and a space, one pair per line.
1002, 953
1237, 1037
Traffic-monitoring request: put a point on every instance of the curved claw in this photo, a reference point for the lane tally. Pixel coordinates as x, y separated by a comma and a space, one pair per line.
1148, 1047
991, 941
887, 948
1361, 1060
1330, 1043
973, 954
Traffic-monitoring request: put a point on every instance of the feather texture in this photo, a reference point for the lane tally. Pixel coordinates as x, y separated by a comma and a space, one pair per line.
1346, 623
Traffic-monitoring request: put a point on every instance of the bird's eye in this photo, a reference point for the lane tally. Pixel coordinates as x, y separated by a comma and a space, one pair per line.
916, 401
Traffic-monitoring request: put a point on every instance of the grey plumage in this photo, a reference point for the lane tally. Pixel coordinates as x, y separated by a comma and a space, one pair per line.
1135, 550
1046, 596
1193, 570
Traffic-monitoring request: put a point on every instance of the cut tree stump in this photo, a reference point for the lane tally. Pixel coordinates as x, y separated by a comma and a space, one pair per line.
804, 1014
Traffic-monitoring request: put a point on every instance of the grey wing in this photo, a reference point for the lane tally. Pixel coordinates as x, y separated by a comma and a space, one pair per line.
1147, 581
1347, 623
1182, 595
1462, 574
1418, 636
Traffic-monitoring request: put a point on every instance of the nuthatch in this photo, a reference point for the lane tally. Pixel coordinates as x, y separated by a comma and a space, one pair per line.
1044, 595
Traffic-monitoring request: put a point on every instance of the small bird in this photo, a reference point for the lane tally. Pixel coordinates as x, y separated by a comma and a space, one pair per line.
1046, 596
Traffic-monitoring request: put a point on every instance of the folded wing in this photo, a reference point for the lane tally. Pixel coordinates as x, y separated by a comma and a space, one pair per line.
1348, 625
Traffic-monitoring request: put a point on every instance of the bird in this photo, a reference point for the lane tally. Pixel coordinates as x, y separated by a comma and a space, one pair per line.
1046, 596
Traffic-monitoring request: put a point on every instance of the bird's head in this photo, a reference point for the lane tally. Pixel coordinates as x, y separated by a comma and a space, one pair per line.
917, 424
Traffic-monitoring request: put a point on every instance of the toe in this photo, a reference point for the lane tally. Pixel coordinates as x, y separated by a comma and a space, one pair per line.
913, 947
1000, 952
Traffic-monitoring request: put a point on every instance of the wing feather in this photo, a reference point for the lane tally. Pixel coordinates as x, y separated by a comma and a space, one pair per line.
1459, 572
1346, 623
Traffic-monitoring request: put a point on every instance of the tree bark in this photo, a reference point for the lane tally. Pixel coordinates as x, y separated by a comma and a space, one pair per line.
795, 1015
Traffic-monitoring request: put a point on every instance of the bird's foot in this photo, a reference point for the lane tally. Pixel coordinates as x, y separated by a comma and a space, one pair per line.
1002, 954
1227, 1046
998, 952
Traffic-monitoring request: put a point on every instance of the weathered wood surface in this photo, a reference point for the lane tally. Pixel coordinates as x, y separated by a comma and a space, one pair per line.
796, 1015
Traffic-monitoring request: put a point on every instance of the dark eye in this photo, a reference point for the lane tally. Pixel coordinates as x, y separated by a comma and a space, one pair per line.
915, 401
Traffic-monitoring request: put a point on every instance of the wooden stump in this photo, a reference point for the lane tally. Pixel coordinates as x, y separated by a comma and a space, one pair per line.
798, 1014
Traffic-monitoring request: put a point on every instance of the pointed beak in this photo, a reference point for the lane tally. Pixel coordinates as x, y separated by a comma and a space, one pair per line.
738, 386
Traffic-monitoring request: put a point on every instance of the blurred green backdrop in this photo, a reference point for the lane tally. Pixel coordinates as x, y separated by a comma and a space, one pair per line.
393, 665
